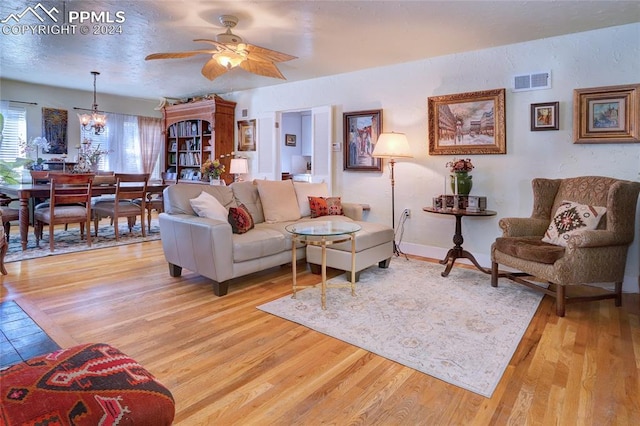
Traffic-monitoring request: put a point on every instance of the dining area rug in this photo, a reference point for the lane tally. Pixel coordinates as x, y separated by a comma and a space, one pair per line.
458, 329
68, 241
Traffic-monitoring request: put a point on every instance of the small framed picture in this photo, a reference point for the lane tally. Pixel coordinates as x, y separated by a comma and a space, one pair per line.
545, 116
247, 135
609, 114
290, 140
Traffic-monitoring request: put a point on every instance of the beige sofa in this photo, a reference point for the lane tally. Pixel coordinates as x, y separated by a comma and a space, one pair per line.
210, 248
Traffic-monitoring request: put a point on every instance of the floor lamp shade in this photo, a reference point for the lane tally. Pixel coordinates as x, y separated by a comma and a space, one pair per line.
392, 145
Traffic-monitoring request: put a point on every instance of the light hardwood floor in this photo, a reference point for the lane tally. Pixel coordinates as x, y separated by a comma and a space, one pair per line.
228, 363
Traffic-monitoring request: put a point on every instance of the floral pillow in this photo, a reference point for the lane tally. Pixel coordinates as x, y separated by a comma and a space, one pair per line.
571, 218
325, 206
240, 219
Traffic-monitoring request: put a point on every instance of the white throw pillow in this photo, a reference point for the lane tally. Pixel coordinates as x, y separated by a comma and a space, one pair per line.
279, 202
571, 218
304, 190
206, 205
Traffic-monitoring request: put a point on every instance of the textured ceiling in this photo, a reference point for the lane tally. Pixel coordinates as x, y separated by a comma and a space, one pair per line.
328, 37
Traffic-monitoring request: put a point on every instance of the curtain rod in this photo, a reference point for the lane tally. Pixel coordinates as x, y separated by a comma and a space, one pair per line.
109, 112
19, 102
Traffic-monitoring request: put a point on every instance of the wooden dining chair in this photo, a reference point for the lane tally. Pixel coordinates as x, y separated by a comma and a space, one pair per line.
69, 202
129, 188
154, 200
9, 214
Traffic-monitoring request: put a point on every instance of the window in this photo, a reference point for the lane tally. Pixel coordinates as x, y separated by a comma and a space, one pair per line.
15, 127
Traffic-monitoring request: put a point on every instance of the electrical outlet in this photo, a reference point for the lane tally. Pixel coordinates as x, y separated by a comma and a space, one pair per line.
407, 213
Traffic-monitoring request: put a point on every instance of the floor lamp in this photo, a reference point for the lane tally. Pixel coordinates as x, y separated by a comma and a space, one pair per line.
392, 145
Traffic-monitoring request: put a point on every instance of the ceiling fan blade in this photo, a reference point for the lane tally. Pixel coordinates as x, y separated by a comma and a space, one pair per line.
267, 69
177, 55
212, 69
220, 46
263, 54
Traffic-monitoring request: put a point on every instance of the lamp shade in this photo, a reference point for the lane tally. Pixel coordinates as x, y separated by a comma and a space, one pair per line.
392, 145
239, 166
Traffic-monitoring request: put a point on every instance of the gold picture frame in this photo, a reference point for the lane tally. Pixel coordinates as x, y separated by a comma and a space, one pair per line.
467, 123
247, 135
608, 114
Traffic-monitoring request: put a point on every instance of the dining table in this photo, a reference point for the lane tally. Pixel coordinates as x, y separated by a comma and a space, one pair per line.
27, 191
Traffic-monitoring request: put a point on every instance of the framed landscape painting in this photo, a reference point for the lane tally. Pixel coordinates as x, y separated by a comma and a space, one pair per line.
361, 131
609, 114
467, 123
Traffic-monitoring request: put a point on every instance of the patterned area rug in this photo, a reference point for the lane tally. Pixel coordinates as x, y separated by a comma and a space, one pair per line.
458, 329
69, 241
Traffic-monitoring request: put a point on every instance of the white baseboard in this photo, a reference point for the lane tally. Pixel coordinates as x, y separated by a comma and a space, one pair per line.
629, 285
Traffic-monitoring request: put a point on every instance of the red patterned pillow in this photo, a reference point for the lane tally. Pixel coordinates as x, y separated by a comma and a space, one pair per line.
325, 206
240, 219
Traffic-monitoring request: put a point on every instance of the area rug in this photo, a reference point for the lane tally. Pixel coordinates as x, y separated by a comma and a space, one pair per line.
458, 329
69, 241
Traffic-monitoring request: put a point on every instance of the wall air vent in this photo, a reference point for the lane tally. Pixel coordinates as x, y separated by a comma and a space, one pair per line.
534, 81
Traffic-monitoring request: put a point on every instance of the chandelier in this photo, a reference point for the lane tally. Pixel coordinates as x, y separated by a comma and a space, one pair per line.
95, 121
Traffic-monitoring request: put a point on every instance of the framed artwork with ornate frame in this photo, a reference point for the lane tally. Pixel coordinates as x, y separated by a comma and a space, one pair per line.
467, 123
608, 114
361, 131
54, 129
545, 116
247, 135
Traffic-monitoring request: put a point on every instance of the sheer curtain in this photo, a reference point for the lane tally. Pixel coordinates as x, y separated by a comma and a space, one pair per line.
150, 132
134, 143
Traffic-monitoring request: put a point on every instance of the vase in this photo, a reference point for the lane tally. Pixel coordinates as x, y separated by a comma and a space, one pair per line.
215, 182
464, 181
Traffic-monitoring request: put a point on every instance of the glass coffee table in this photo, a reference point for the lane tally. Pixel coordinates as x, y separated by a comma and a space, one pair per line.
323, 233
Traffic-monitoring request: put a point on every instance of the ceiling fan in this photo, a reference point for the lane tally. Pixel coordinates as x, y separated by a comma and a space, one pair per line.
230, 51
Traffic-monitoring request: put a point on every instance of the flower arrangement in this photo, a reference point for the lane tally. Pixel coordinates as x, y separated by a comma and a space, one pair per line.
36, 144
461, 165
212, 169
90, 153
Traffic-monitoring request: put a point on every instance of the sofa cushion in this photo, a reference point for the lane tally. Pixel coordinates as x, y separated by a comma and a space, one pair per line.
261, 242
304, 190
206, 205
370, 235
571, 218
247, 193
325, 206
530, 248
240, 219
279, 202
177, 197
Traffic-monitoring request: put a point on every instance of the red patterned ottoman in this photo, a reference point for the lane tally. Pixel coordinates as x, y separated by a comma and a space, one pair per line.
91, 384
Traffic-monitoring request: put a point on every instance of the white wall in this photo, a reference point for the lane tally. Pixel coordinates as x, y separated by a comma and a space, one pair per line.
596, 58
59, 98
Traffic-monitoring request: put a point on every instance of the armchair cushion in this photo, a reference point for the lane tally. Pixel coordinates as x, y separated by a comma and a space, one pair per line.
571, 218
206, 205
530, 248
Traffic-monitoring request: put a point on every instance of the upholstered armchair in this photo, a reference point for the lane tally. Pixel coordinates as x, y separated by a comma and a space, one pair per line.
570, 240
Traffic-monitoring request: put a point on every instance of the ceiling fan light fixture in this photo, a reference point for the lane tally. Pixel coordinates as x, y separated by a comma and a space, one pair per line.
95, 121
228, 59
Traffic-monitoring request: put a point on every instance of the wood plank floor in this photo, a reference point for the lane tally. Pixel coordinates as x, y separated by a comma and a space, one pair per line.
228, 363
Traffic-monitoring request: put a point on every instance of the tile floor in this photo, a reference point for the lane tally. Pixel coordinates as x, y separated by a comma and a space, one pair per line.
20, 337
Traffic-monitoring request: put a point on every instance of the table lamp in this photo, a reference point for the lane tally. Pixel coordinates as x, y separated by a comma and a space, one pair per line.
238, 166
392, 145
